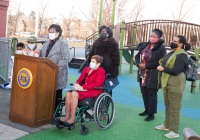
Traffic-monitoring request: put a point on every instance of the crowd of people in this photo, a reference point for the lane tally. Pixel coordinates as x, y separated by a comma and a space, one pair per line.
156, 69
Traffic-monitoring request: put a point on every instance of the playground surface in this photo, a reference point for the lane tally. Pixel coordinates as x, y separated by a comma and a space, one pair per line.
127, 124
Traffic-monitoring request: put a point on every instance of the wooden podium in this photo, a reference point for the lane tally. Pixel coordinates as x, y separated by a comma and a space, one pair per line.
33, 90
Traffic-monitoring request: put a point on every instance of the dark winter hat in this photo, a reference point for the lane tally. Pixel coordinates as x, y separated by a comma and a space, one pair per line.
158, 32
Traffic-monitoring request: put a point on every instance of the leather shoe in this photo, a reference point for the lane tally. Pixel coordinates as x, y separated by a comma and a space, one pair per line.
66, 124
149, 118
56, 121
143, 113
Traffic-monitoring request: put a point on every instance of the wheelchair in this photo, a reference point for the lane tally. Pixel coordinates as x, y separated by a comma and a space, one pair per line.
102, 108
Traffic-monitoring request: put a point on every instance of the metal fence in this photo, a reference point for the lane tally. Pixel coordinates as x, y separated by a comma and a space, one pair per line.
5, 54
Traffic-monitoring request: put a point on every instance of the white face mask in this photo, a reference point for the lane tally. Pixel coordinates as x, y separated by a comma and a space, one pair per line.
92, 65
31, 46
52, 36
19, 52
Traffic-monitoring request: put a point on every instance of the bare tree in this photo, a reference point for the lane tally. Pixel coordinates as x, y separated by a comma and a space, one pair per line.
182, 13
93, 15
14, 19
107, 12
32, 21
67, 20
137, 10
41, 17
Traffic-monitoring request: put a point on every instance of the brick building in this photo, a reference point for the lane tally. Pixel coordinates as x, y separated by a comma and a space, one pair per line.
3, 15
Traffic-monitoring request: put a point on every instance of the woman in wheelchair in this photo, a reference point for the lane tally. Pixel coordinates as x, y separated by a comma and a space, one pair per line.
92, 76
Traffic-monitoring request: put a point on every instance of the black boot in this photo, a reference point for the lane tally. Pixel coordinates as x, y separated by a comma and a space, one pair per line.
150, 117
143, 113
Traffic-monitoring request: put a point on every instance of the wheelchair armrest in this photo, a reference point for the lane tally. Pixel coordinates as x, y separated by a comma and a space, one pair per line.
99, 88
189, 134
71, 84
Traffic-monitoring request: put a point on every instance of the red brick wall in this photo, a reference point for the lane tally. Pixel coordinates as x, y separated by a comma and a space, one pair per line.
3, 15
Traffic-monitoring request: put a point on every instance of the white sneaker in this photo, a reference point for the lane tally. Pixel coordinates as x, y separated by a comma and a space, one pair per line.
8, 86
171, 134
161, 127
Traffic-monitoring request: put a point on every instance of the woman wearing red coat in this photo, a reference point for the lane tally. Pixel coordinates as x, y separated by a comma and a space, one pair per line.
92, 76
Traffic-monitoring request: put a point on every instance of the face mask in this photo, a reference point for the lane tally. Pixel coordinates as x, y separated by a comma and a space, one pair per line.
153, 40
18, 51
173, 45
52, 36
103, 36
92, 65
36, 55
31, 46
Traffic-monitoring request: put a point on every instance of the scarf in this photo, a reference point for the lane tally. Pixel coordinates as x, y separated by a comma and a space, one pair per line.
170, 64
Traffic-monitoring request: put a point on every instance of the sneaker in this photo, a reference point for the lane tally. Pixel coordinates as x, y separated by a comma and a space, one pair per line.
171, 134
8, 86
161, 127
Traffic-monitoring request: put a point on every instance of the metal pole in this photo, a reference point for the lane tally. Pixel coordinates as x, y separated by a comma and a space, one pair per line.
37, 18
132, 51
14, 45
113, 14
121, 43
100, 14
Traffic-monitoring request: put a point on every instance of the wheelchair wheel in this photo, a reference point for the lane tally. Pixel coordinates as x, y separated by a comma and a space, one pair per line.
59, 110
104, 111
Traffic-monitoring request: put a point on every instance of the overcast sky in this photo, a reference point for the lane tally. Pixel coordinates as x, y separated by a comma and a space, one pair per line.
152, 9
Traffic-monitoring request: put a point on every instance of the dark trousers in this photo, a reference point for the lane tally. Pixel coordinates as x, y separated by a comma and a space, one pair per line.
58, 98
149, 96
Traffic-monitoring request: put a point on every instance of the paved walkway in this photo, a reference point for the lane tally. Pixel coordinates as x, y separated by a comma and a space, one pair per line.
10, 133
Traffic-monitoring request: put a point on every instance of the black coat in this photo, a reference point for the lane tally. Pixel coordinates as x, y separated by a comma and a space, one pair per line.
109, 50
158, 52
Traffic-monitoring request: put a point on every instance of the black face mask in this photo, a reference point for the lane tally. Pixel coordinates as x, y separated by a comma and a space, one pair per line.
103, 36
173, 45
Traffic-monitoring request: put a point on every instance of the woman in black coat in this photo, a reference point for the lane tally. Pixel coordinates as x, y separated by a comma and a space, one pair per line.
147, 60
107, 47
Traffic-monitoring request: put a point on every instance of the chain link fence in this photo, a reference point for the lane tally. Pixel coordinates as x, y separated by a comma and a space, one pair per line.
5, 54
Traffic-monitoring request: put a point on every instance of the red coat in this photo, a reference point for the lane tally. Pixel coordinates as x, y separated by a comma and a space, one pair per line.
95, 79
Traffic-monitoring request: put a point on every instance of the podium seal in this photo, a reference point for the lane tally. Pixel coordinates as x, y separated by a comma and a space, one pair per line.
24, 78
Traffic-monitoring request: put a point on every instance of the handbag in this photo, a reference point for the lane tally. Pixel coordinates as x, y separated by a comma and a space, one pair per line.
111, 84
